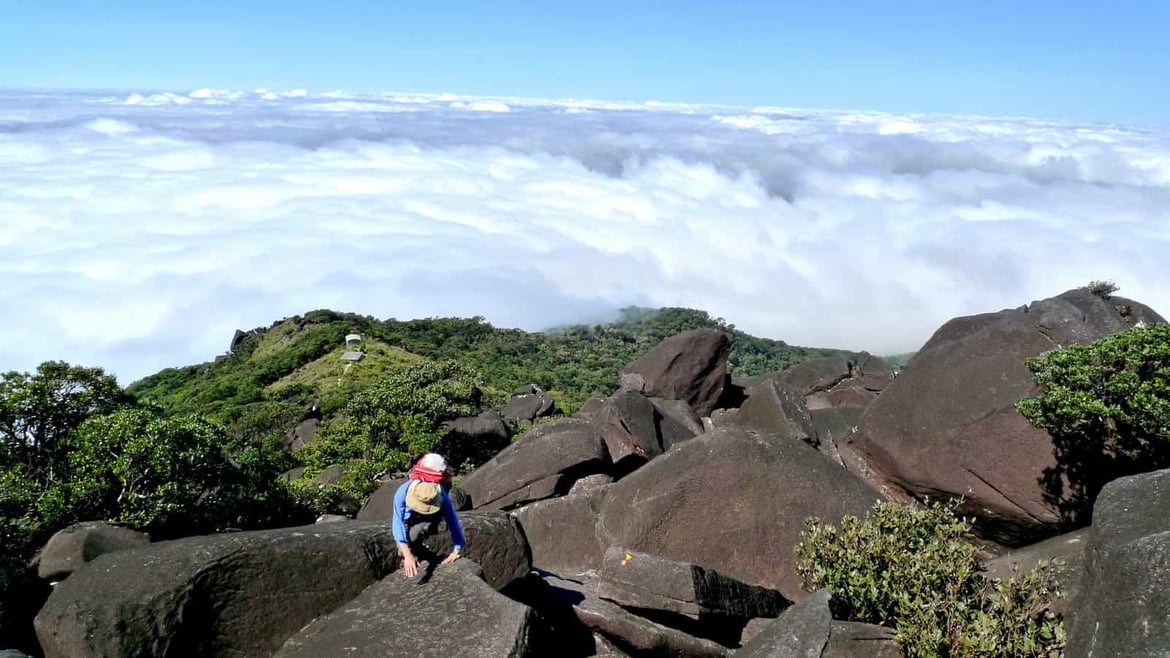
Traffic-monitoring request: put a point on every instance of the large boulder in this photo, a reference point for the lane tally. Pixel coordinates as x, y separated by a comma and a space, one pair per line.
478, 437
690, 366
733, 500
449, 613
808, 630
562, 532
529, 403
241, 593
303, 434
72, 547
1122, 607
635, 430
640, 580
777, 408
541, 463
947, 426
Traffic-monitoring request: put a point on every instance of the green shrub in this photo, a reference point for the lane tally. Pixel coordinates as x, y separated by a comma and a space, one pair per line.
916, 570
149, 472
399, 416
1102, 289
1107, 406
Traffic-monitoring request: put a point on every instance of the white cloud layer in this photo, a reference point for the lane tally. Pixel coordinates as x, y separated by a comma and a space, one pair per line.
138, 230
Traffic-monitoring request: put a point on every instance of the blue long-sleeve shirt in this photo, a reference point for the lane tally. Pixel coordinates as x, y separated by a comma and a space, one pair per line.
402, 513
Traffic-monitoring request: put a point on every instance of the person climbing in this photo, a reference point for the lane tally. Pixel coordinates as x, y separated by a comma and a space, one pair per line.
420, 504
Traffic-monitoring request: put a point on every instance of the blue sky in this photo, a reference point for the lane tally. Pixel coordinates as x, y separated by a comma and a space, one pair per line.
1073, 59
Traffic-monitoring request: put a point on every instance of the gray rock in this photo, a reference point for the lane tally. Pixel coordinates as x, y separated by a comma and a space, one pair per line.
603, 648
638, 635
541, 463
1126, 590
680, 412
639, 580
947, 426
527, 407
562, 532
331, 518
733, 500
328, 475
776, 408
801, 632
590, 407
451, 613
380, 505
473, 437
690, 366
590, 483
849, 639
839, 381
835, 427
753, 628
72, 547
635, 431
242, 593
303, 434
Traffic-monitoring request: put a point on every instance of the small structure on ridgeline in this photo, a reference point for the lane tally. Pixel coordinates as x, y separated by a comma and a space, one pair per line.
352, 354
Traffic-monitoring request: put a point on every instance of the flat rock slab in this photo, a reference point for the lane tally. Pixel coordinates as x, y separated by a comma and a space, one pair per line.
640, 580
849, 639
801, 632
630, 632
448, 613
541, 463
808, 630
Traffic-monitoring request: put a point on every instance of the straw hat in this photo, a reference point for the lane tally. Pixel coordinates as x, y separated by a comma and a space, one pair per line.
424, 497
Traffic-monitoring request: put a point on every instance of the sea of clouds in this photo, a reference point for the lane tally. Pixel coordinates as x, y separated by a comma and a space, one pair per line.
139, 230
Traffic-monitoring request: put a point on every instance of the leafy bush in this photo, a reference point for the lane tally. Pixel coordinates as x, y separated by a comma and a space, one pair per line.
39, 411
38, 414
1107, 406
401, 415
915, 570
1102, 289
149, 472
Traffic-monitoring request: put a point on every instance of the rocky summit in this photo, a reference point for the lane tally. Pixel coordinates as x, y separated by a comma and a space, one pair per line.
662, 520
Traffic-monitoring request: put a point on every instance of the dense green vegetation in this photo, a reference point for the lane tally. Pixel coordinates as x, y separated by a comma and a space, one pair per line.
916, 570
1107, 406
571, 362
399, 416
74, 446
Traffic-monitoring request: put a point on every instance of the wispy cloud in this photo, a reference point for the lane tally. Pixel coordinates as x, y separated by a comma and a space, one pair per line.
138, 230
